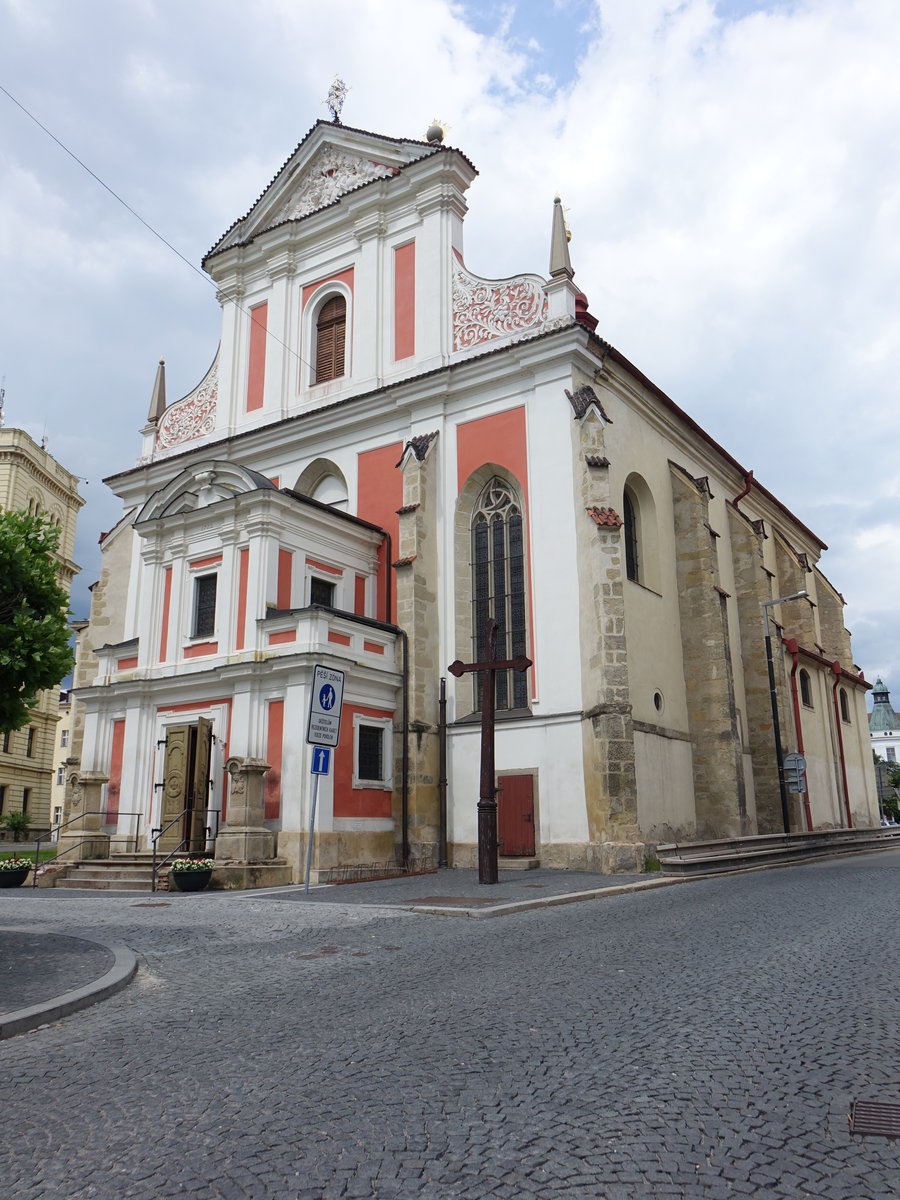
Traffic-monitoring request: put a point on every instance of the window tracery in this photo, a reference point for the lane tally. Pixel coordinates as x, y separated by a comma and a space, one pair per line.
498, 588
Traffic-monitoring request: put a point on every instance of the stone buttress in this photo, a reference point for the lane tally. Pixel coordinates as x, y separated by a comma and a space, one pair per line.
607, 728
417, 613
719, 788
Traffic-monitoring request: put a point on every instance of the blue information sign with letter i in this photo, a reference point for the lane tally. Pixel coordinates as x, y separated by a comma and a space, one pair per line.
321, 760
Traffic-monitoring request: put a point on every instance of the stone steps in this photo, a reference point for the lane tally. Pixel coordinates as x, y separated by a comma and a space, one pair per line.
121, 872
519, 863
740, 854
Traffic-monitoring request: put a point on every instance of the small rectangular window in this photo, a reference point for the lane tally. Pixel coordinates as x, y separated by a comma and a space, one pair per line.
60, 776
2, 797
891, 753
64, 737
371, 753
205, 605
29, 749
26, 797
321, 591
6, 743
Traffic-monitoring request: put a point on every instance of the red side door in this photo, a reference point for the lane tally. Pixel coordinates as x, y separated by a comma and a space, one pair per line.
515, 815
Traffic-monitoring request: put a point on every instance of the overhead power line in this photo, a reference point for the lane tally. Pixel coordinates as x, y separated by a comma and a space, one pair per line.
137, 215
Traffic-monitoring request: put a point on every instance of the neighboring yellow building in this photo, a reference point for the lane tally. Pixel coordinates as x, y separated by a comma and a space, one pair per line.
32, 479
61, 752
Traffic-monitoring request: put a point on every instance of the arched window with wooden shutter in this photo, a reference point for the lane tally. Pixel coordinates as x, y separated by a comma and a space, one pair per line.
331, 336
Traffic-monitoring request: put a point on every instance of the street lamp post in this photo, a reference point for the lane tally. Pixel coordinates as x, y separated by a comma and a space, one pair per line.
779, 758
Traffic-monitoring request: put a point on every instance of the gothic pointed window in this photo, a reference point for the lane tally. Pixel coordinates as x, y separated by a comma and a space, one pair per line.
629, 520
331, 336
498, 589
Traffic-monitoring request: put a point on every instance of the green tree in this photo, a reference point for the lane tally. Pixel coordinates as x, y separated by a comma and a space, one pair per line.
34, 610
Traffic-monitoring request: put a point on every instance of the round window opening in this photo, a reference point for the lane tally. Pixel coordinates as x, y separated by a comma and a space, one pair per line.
658, 702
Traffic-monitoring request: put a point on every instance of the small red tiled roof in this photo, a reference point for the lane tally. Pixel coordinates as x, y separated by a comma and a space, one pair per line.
605, 516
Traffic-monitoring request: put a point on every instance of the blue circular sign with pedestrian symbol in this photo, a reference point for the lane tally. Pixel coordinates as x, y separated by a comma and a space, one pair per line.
326, 697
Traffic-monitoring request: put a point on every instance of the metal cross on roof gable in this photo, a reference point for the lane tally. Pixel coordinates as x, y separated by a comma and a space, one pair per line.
337, 94
487, 803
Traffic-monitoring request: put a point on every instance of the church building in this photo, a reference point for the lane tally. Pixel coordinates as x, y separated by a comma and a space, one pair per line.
387, 451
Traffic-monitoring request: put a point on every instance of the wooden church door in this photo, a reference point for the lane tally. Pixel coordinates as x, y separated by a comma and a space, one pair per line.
174, 785
515, 816
185, 786
198, 789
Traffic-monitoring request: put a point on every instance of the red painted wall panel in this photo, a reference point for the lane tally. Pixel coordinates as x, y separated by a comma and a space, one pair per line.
256, 374
404, 301
115, 772
380, 495
243, 577
167, 600
274, 743
350, 801
359, 597
285, 567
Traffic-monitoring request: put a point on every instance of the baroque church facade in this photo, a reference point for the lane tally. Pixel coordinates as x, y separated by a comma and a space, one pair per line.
386, 452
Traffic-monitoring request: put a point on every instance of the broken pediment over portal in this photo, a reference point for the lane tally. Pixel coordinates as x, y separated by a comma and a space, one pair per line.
201, 485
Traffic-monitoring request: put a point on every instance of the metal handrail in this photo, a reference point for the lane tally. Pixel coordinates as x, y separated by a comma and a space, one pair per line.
158, 831
63, 824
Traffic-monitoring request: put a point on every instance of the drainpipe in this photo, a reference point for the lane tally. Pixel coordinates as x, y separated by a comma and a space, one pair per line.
836, 668
793, 648
404, 782
442, 772
748, 483
404, 787
388, 555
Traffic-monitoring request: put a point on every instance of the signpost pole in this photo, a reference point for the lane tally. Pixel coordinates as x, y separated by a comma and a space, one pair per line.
312, 825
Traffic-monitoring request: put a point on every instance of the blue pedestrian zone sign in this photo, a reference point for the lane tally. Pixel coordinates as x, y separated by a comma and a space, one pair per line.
326, 697
321, 760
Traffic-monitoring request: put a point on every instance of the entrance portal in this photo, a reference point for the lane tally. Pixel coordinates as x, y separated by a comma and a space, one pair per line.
185, 792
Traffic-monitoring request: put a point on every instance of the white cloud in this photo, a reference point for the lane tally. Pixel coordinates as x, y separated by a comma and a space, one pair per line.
733, 187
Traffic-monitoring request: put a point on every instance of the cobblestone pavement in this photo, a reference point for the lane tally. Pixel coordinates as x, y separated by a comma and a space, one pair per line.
705, 1040
35, 967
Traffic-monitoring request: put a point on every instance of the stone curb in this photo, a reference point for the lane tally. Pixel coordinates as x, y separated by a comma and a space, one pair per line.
119, 974
517, 906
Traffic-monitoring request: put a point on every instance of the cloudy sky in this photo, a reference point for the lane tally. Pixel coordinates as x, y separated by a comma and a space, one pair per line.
731, 172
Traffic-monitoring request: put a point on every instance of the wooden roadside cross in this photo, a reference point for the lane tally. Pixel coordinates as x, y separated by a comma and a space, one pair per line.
487, 801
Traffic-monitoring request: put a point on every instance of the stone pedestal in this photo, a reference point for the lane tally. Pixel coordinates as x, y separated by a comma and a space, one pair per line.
245, 838
84, 837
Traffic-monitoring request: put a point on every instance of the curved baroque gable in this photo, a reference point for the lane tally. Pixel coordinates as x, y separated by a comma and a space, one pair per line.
193, 415
486, 309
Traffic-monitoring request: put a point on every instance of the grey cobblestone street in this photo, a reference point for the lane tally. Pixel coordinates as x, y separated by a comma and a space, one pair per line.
704, 1040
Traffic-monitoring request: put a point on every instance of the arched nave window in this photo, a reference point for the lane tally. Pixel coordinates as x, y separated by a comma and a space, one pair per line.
498, 587
805, 690
331, 337
640, 533
324, 481
632, 561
